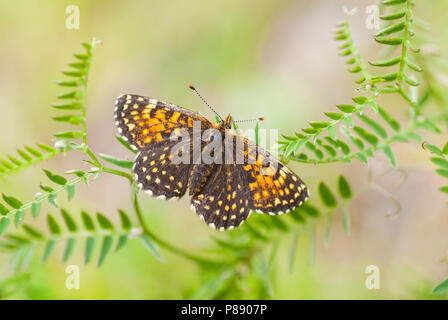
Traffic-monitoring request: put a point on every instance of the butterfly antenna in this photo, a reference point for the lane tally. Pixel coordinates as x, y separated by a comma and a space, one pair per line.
203, 100
249, 120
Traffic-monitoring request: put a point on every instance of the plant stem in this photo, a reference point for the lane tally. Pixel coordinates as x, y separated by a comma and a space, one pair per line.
373, 149
163, 243
47, 195
405, 44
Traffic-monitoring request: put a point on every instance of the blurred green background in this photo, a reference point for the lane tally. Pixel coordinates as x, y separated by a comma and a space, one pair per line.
275, 59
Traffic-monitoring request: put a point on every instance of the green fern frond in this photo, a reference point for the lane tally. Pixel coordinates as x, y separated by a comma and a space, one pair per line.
17, 209
439, 157
75, 100
104, 235
348, 49
28, 156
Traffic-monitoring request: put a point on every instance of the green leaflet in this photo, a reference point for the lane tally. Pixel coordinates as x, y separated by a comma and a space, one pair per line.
391, 29
55, 178
32, 232
87, 221
326, 195
125, 221
386, 63
441, 162
19, 217
122, 240
344, 188
13, 202
53, 225
126, 164
90, 243
4, 223
104, 222
374, 125
105, 249
49, 248
441, 288
68, 250
390, 154
69, 222
367, 136
35, 208
151, 247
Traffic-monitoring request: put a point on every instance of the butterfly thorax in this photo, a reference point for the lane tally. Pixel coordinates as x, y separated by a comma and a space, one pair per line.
225, 124
201, 172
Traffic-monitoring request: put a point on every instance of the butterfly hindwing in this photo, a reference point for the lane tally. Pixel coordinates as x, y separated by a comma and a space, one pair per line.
158, 175
224, 202
260, 183
274, 188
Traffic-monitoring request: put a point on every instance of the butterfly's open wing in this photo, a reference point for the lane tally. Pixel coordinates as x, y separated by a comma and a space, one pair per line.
143, 121
259, 182
156, 174
149, 125
224, 202
274, 188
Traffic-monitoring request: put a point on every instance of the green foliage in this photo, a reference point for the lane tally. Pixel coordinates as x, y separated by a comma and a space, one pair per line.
72, 232
440, 159
241, 260
442, 287
355, 132
244, 249
74, 101
17, 209
28, 156
322, 137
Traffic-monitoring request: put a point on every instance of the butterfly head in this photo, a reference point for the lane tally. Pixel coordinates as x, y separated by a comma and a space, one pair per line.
226, 123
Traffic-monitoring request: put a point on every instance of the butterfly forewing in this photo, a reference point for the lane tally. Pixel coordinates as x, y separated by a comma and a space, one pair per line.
143, 121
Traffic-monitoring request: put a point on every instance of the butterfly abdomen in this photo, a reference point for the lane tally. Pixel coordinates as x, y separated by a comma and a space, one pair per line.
199, 176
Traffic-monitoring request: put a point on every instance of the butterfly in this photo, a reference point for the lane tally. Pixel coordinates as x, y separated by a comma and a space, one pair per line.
240, 178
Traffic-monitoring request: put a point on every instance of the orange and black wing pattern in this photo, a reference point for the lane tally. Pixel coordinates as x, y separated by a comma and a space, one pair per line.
261, 183
225, 201
273, 187
223, 194
143, 121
